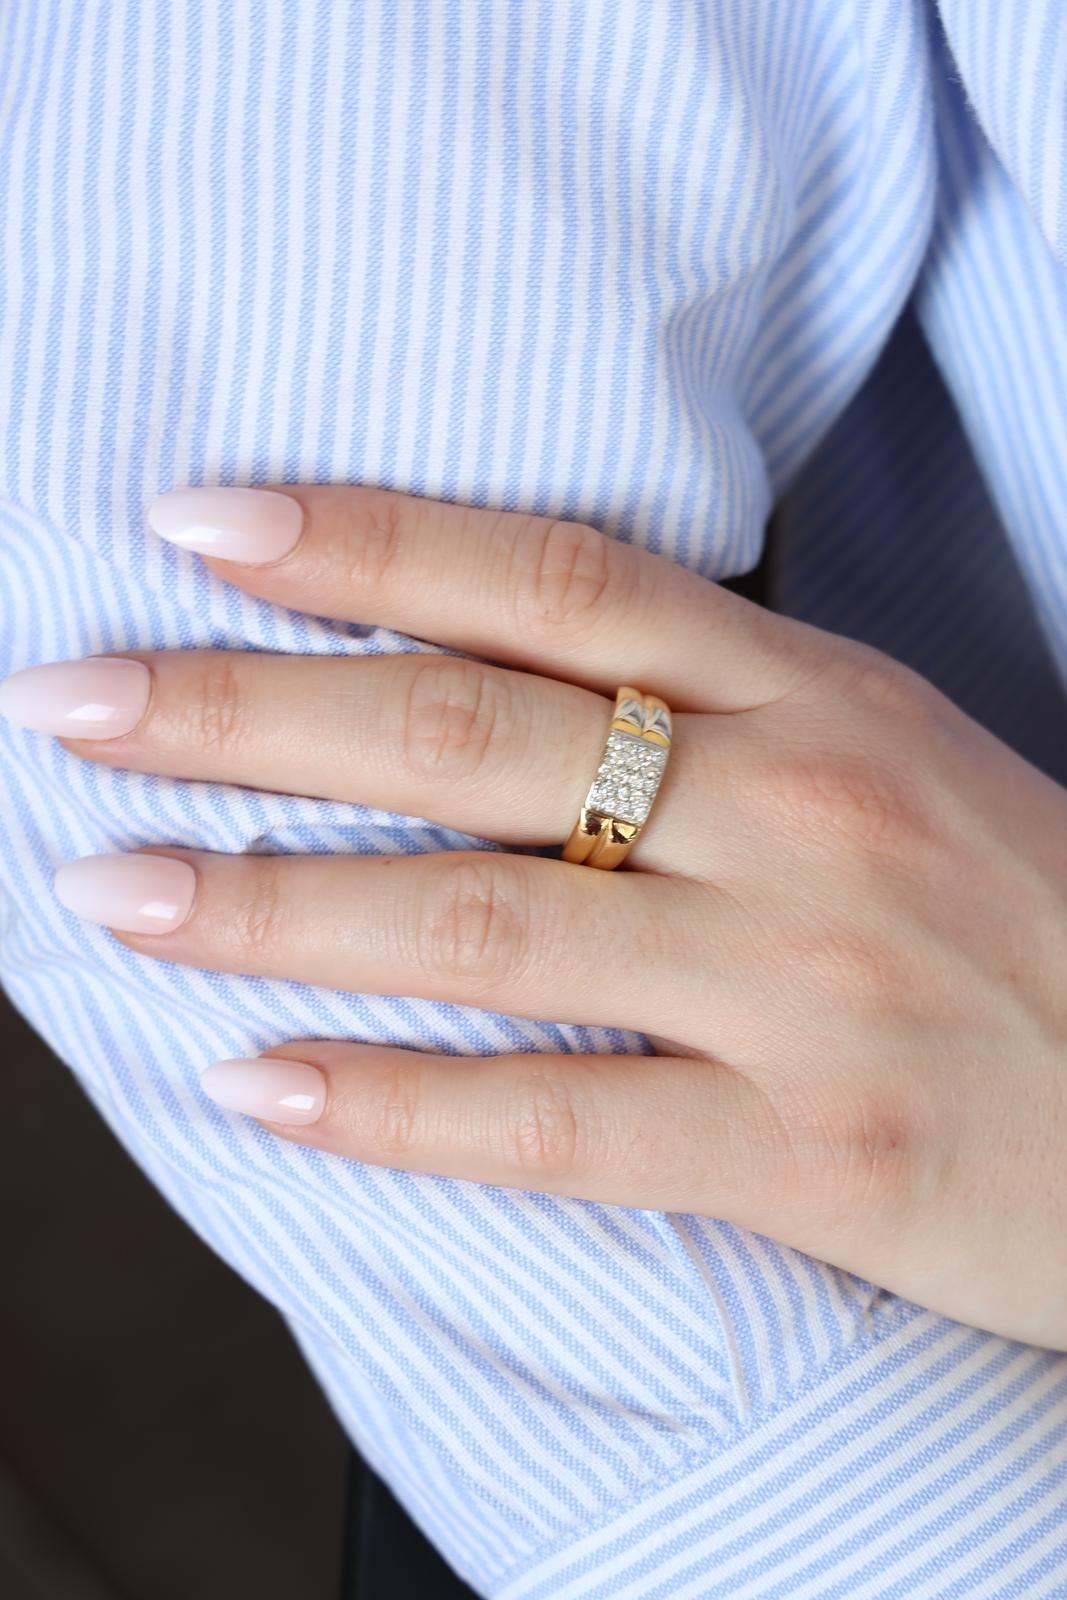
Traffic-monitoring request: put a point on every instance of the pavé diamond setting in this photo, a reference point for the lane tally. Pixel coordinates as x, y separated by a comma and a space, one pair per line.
627, 778
625, 783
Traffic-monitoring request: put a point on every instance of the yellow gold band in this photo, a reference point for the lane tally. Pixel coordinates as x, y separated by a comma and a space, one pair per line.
625, 783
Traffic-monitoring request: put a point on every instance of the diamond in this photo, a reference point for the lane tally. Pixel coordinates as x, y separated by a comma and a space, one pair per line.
625, 783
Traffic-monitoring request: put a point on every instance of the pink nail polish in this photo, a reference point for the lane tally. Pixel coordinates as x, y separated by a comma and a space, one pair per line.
134, 894
96, 699
273, 1090
249, 525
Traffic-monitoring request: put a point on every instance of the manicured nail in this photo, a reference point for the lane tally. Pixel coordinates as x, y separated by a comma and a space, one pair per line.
96, 699
135, 894
251, 525
273, 1090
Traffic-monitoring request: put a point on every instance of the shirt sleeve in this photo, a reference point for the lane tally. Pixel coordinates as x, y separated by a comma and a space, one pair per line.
591, 258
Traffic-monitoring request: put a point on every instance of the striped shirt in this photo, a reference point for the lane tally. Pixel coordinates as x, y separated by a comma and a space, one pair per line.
660, 267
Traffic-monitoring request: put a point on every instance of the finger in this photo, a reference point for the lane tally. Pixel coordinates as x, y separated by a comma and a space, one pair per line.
536, 592
475, 747
520, 934
672, 1133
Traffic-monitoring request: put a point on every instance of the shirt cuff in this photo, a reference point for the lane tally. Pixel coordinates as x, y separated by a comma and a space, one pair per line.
920, 1462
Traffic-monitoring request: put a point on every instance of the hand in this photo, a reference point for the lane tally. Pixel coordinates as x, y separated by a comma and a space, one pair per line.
846, 930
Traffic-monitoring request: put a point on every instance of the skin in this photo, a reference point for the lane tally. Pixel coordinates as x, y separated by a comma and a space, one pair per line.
844, 926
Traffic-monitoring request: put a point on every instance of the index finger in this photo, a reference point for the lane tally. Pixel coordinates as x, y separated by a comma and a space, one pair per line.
551, 596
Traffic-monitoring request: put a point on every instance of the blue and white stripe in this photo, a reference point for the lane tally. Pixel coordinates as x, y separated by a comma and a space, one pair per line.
639, 265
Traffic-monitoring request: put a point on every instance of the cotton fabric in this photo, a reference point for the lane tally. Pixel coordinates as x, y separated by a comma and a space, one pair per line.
661, 268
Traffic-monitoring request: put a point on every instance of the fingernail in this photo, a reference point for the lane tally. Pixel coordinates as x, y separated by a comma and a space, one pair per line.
135, 894
252, 525
273, 1090
96, 699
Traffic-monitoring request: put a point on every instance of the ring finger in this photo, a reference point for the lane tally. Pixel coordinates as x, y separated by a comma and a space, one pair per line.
490, 751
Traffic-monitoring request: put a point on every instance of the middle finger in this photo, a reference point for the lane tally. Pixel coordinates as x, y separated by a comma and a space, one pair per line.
513, 933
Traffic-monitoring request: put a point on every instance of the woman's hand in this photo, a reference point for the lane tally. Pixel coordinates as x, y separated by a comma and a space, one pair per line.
847, 930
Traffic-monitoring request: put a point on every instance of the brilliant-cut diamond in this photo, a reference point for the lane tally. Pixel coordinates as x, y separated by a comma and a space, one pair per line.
627, 778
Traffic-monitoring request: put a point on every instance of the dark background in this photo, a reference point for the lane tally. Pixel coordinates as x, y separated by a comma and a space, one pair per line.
161, 1437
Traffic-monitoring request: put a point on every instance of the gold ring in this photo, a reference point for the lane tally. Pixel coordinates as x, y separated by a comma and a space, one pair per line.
625, 783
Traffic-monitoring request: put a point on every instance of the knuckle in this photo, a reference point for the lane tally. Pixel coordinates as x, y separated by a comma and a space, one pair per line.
453, 714
859, 803
866, 1147
218, 706
473, 924
542, 1127
888, 689
848, 970
569, 577
843, 1151
259, 915
872, 681
392, 1113
372, 544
